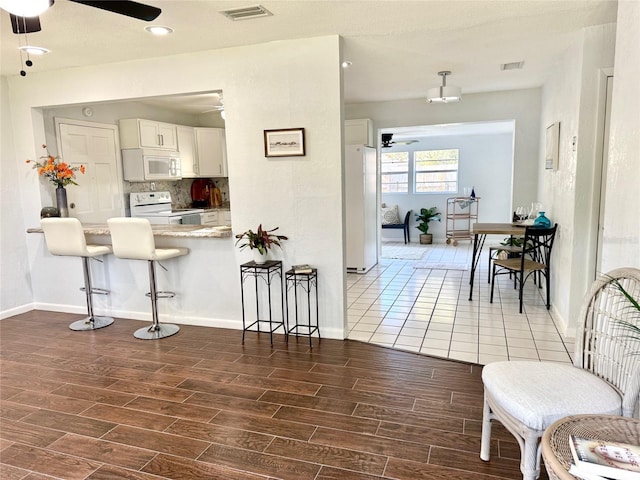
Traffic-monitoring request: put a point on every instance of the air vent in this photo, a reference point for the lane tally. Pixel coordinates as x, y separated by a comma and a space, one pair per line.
245, 13
512, 66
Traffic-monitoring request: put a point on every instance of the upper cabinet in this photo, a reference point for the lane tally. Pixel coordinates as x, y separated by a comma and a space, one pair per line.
359, 132
202, 152
140, 133
187, 150
211, 152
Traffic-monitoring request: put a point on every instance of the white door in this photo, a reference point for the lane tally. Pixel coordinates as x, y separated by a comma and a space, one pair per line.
98, 195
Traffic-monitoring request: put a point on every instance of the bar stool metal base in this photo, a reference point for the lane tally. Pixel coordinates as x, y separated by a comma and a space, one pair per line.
91, 324
155, 332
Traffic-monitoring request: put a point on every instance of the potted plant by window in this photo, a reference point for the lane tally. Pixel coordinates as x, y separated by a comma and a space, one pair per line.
425, 216
259, 242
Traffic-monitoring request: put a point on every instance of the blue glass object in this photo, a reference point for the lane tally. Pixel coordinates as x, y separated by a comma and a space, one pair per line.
542, 221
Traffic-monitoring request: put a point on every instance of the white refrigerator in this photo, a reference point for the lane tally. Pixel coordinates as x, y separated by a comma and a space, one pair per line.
361, 181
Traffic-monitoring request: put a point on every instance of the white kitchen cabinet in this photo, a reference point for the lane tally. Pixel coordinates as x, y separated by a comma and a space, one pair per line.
187, 151
210, 218
215, 217
140, 133
211, 152
359, 132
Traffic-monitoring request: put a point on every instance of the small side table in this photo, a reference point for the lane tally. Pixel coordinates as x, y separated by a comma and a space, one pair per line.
267, 272
555, 440
302, 285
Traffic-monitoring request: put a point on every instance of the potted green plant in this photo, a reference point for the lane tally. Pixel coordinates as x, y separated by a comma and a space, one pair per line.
425, 216
259, 242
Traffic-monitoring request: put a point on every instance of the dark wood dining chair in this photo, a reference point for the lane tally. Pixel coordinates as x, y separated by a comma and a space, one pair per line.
535, 259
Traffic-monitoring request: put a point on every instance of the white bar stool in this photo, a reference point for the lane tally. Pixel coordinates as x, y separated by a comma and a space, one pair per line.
65, 237
132, 238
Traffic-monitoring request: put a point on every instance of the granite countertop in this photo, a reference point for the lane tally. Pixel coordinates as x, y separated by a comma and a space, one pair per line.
175, 231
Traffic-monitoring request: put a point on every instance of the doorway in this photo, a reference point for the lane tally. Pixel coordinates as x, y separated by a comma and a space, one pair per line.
603, 171
98, 195
484, 162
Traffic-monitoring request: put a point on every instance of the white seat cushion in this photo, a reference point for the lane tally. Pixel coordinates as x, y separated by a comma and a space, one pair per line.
165, 253
97, 250
539, 393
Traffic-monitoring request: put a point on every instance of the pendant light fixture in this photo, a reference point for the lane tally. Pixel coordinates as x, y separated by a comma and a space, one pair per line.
444, 93
26, 8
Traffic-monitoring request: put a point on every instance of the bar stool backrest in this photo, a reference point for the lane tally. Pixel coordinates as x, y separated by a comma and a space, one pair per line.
132, 238
64, 236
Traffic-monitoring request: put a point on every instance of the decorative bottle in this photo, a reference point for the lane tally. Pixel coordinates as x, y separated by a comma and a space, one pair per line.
473, 193
542, 221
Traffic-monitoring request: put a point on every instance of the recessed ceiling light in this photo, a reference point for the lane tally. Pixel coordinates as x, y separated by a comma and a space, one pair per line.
21, 8
159, 30
33, 50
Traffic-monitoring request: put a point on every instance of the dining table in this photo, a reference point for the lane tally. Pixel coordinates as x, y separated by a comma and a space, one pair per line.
480, 232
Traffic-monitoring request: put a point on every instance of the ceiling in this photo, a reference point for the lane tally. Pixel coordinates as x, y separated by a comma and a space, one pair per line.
396, 47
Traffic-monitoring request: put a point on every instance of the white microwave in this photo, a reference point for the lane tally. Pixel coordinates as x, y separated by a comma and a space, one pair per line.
146, 164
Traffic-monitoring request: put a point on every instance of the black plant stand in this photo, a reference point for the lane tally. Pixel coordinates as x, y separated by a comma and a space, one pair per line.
302, 285
267, 272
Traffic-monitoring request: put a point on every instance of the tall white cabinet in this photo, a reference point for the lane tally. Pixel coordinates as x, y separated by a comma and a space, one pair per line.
361, 211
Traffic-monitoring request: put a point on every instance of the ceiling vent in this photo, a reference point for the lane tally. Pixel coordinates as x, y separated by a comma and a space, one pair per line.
245, 13
512, 66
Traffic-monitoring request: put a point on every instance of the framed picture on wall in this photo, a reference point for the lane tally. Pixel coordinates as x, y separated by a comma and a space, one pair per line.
287, 142
553, 146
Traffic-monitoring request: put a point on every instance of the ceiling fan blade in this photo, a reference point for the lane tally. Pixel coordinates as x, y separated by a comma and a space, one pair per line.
25, 24
124, 7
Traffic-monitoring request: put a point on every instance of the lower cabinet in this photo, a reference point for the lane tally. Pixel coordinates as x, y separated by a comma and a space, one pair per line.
216, 218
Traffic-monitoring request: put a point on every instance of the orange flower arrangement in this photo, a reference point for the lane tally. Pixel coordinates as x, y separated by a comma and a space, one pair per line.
57, 171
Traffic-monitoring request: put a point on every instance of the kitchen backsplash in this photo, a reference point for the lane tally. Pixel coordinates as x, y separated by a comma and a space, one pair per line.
180, 190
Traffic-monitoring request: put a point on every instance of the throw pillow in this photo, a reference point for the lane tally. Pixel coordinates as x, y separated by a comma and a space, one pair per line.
390, 215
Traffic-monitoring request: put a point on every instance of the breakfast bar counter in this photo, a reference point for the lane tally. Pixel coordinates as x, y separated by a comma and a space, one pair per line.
170, 231
205, 280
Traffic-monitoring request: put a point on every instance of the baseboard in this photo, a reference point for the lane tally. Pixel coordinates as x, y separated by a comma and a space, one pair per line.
336, 334
17, 310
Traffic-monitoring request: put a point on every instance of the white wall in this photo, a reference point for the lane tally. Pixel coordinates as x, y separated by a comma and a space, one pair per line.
523, 106
485, 162
266, 87
16, 295
622, 215
571, 96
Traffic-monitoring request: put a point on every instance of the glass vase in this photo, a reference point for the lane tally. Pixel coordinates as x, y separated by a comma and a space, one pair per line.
542, 221
61, 200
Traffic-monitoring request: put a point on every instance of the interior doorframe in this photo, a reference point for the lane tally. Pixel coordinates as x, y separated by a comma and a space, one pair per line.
599, 171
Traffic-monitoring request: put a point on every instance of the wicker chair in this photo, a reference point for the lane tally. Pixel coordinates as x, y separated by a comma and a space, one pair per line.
527, 397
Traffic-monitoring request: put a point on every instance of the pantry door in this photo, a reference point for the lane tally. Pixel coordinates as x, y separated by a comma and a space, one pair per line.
98, 195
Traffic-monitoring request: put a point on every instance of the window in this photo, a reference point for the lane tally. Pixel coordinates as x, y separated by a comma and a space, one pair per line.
395, 172
436, 171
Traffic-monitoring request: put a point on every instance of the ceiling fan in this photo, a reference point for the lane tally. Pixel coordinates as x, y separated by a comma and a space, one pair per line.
24, 20
387, 141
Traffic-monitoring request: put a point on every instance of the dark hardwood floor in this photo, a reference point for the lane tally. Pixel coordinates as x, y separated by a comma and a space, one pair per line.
104, 405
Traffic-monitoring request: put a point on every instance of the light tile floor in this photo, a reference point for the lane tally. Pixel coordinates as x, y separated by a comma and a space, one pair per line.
427, 310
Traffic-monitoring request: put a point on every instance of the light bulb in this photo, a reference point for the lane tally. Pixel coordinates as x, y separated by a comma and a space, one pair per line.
22, 8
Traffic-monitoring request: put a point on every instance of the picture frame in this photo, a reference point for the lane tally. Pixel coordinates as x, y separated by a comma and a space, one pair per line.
552, 152
285, 142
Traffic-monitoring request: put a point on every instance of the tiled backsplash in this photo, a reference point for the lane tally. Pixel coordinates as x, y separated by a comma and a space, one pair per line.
180, 190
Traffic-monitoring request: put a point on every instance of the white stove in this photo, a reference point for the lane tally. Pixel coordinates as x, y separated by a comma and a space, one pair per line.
156, 207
